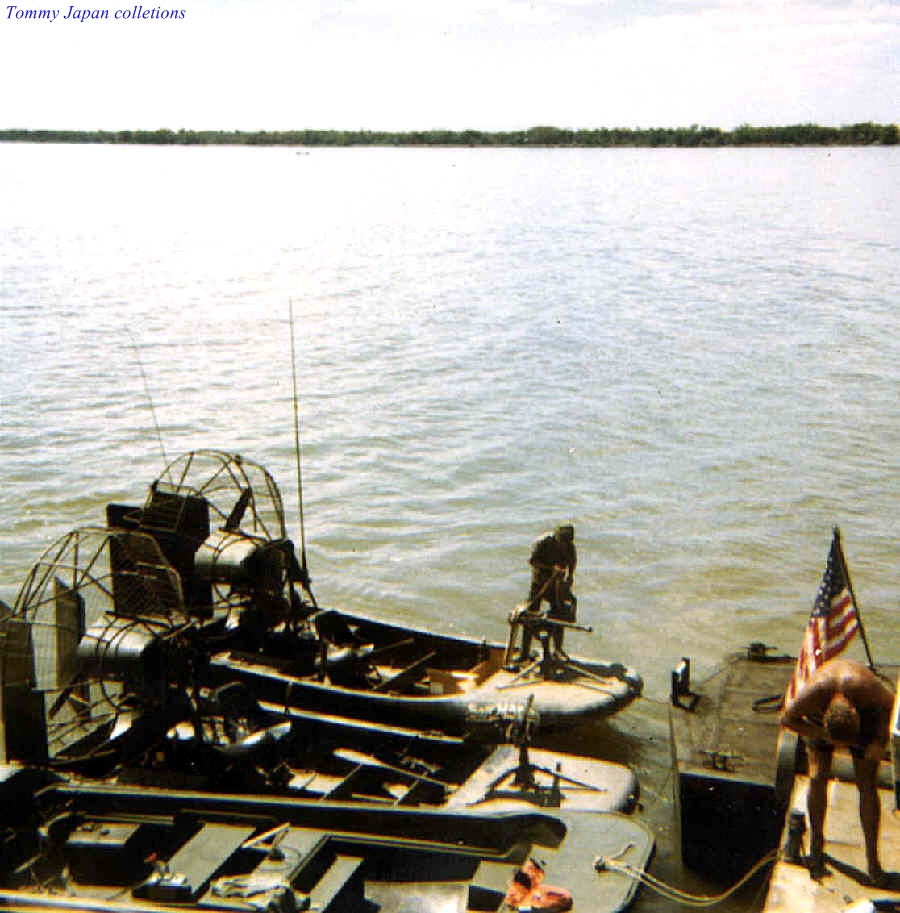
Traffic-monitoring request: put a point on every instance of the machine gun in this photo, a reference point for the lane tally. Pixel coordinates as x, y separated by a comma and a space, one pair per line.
527, 626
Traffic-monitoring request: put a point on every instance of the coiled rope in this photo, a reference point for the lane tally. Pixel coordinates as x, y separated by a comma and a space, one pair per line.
614, 864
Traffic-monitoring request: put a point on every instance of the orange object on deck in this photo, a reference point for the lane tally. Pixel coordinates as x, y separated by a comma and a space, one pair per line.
528, 891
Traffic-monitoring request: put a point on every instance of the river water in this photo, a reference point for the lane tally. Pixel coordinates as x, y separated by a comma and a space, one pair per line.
693, 355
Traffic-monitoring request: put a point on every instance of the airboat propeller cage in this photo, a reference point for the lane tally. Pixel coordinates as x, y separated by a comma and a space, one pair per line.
220, 519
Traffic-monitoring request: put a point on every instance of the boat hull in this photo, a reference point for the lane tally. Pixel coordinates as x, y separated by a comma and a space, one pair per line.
441, 682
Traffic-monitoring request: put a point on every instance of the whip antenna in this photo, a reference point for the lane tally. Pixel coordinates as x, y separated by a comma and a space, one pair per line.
137, 355
297, 444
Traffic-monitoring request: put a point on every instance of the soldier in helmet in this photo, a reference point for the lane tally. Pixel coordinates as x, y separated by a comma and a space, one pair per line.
553, 559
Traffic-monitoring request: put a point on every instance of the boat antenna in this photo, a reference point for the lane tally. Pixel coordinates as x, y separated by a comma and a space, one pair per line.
297, 447
137, 355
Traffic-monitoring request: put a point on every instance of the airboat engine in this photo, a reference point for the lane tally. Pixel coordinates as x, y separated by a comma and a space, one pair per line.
244, 563
216, 540
146, 655
249, 575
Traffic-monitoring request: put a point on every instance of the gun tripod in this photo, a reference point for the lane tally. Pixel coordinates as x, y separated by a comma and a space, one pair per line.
524, 780
553, 660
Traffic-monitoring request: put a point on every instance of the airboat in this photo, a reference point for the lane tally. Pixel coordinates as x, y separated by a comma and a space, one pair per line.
92, 845
183, 725
200, 587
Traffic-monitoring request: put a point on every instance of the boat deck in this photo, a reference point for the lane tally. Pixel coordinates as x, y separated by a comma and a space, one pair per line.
724, 739
731, 728
791, 890
608, 835
734, 765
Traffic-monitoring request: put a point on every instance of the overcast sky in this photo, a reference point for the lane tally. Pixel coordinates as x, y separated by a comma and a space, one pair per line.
456, 64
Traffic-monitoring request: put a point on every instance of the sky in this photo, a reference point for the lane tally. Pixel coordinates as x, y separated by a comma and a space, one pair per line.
450, 64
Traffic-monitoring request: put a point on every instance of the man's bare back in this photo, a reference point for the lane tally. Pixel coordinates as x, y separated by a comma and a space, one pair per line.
861, 688
843, 705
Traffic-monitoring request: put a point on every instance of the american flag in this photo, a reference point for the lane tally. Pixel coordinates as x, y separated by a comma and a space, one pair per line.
833, 621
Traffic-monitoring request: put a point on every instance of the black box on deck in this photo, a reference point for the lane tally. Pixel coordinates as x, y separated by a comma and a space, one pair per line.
99, 853
727, 826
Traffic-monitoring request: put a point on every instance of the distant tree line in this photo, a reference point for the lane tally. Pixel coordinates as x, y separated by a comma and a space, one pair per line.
862, 134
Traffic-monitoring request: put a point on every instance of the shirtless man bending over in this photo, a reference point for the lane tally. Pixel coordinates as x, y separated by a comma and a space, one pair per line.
843, 705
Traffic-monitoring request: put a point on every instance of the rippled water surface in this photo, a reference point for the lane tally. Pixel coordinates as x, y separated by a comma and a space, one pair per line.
691, 354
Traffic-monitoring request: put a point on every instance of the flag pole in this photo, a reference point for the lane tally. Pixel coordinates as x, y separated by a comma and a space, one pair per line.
859, 621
